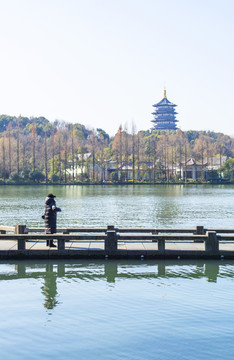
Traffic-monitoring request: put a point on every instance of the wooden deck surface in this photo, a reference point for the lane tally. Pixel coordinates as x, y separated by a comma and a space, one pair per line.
34, 247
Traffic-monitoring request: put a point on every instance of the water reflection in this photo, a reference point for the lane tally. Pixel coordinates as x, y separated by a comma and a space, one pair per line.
110, 271
49, 289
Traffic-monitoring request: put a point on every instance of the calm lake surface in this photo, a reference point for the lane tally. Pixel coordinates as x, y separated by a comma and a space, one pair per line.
106, 310
123, 206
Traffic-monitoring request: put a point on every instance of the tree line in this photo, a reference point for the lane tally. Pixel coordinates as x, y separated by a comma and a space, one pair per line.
34, 150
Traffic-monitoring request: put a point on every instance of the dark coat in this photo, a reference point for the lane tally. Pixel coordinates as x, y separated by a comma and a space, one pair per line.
50, 215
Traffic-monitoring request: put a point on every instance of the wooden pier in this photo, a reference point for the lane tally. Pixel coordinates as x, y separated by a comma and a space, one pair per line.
111, 242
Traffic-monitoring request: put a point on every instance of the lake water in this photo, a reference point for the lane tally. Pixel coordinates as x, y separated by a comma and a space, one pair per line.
123, 206
116, 310
106, 310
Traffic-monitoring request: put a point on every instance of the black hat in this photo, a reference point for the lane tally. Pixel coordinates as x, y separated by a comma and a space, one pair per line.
51, 195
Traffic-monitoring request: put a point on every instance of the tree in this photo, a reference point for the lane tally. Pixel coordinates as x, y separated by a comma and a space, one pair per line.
65, 140
36, 176
133, 150
46, 158
18, 147
33, 140
139, 153
92, 147
72, 153
54, 178
126, 152
228, 168
34, 144
200, 151
9, 148
117, 146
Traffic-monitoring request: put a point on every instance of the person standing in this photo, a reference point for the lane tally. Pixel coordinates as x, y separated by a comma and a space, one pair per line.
50, 217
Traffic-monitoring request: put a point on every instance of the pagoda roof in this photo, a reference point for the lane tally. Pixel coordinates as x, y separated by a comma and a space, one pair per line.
163, 110
164, 115
164, 101
169, 121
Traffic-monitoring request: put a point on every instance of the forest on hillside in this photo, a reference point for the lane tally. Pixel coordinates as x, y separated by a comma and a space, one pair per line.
34, 150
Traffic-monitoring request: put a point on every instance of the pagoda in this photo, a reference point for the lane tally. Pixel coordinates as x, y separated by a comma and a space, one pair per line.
164, 115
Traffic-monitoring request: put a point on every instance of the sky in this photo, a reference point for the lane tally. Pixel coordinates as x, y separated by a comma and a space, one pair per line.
104, 63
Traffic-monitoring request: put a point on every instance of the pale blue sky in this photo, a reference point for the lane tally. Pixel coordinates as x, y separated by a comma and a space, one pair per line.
103, 63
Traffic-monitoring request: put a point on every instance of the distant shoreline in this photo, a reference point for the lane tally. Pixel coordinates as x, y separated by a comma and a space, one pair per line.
124, 184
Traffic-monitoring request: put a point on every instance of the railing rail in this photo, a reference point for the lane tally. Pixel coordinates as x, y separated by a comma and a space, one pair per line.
6, 228
197, 230
111, 236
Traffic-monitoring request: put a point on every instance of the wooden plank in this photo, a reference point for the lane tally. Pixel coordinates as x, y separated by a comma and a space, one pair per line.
96, 246
79, 245
36, 245
122, 246
9, 245
135, 246
191, 246
150, 245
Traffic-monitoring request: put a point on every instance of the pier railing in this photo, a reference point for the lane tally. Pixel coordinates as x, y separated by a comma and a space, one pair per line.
111, 236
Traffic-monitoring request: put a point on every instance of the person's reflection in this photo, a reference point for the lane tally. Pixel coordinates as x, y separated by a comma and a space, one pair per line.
49, 289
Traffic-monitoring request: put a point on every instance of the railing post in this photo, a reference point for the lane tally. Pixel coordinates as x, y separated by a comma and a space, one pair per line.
66, 232
154, 232
211, 243
111, 240
110, 227
199, 231
61, 244
20, 229
161, 245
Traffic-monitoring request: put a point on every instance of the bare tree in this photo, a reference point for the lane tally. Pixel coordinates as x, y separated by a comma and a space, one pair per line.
72, 153
117, 146
133, 150
18, 147
46, 158
33, 133
9, 148
3, 159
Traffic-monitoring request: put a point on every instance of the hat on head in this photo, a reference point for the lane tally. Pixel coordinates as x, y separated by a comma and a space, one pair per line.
51, 196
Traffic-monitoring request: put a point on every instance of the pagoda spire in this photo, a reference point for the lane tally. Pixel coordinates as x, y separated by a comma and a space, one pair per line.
165, 93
